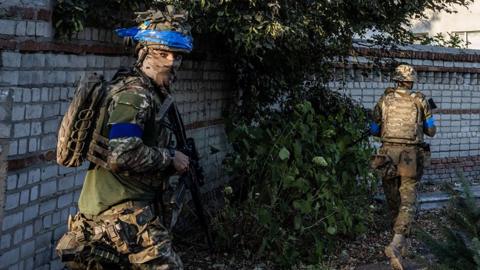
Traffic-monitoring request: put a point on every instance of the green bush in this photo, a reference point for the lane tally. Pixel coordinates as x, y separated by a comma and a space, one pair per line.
301, 174
459, 246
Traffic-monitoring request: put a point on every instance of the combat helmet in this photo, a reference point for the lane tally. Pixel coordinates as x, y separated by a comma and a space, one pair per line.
167, 30
404, 73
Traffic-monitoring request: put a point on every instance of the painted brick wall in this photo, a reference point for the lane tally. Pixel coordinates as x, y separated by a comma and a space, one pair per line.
452, 78
37, 75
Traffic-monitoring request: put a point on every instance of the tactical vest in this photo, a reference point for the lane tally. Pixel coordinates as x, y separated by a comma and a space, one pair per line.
402, 118
81, 136
98, 150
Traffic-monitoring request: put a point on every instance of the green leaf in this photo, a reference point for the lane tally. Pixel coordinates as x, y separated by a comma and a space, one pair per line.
264, 216
289, 181
332, 230
59, 22
297, 222
320, 161
303, 206
284, 153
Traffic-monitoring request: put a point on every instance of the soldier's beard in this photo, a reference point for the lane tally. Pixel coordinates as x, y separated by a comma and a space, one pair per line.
161, 70
161, 76
164, 79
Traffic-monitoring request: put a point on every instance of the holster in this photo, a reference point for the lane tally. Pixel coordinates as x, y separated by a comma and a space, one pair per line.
383, 165
75, 241
425, 154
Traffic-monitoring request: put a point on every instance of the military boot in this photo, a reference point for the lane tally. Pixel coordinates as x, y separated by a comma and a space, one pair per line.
393, 251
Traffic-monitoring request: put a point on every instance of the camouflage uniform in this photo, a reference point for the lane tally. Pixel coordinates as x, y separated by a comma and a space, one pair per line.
117, 226
116, 205
401, 117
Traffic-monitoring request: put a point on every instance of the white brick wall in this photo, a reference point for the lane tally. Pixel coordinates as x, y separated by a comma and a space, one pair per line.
458, 132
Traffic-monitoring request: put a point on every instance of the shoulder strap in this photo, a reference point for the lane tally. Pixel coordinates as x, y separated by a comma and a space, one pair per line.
389, 90
165, 106
416, 98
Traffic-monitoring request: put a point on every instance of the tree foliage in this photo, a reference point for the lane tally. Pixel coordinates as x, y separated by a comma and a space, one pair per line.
273, 45
278, 44
451, 40
72, 16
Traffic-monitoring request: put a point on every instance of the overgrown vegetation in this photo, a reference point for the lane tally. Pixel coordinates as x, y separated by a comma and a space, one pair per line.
303, 179
459, 246
299, 161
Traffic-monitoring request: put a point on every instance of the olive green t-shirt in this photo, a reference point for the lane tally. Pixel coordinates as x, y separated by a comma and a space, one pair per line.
138, 160
102, 189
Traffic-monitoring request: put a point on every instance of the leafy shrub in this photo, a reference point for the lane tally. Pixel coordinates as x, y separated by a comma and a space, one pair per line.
302, 180
72, 16
459, 246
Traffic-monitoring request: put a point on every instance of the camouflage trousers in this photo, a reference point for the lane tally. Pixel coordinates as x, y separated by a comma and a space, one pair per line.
400, 187
126, 236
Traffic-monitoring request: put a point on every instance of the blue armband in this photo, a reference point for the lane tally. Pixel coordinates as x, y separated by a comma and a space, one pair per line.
125, 130
374, 128
429, 123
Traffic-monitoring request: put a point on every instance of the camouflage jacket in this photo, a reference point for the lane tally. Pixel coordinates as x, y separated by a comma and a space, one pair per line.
139, 160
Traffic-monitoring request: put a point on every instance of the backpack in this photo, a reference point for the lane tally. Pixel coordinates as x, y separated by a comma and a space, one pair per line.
400, 118
79, 122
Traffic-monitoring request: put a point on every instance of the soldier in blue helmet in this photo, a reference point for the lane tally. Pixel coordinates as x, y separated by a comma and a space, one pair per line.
118, 226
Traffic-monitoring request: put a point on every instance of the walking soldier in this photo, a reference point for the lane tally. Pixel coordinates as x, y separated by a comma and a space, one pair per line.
401, 117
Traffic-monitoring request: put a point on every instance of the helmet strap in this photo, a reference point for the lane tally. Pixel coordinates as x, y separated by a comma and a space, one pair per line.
141, 57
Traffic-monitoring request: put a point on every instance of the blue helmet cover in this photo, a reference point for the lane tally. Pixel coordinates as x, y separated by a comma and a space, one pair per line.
168, 38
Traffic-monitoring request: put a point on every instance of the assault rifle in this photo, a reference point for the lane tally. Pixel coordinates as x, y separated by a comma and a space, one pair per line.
432, 104
191, 179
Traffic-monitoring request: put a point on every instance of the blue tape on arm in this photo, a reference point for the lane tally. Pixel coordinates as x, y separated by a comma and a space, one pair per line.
374, 128
429, 123
125, 130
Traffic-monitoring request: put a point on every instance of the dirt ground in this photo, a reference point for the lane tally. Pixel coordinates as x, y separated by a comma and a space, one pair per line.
365, 252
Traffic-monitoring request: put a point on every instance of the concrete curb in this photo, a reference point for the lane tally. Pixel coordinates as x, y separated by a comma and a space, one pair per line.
434, 200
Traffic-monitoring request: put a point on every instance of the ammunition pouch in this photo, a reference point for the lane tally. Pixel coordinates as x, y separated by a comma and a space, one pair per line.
425, 154
98, 151
69, 246
103, 254
95, 255
383, 165
95, 242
